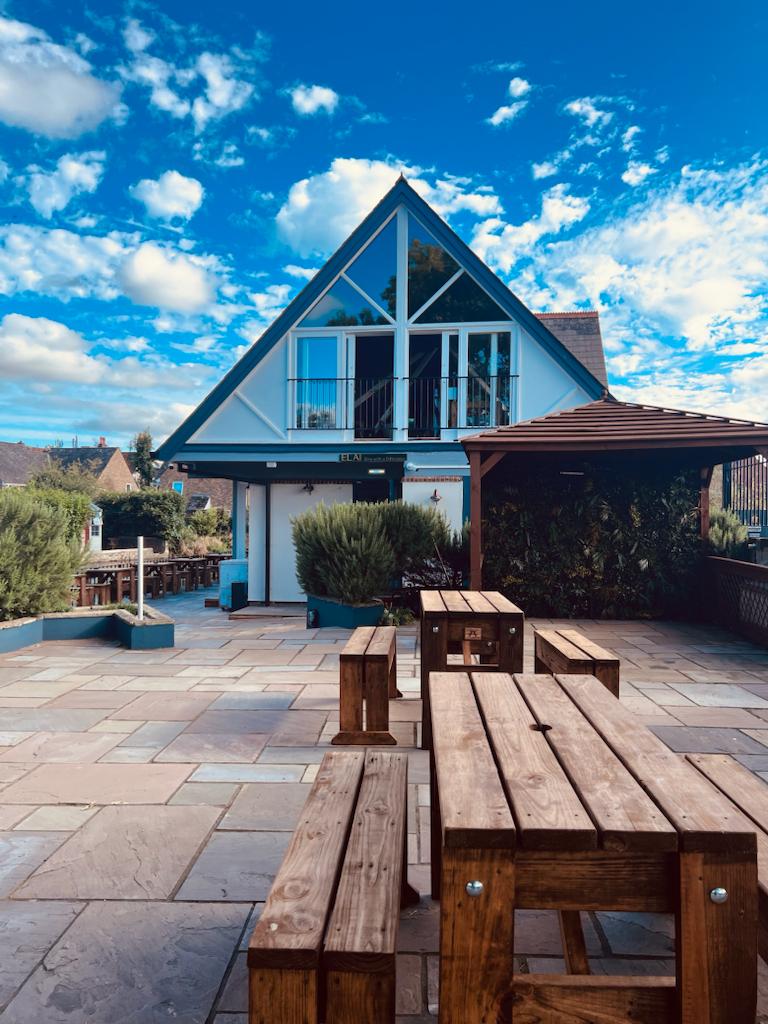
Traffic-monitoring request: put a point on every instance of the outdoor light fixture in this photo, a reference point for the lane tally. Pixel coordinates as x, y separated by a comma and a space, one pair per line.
376, 472
434, 496
571, 472
271, 465
308, 487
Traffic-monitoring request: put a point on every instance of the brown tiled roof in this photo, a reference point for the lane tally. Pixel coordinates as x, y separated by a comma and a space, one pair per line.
93, 459
219, 491
609, 425
19, 462
579, 331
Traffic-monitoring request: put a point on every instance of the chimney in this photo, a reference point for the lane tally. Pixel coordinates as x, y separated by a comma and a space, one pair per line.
102, 442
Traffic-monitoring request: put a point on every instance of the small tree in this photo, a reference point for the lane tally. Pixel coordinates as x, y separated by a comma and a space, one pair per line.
142, 446
37, 560
416, 534
727, 534
144, 513
75, 506
342, 552
74, 478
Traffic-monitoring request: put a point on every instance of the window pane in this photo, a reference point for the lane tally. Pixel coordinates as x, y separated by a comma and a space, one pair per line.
316, 358
503, 363
342, 306
453, 380
479, 380
375, 269
464, 302
479, 355
503, 383
429, 265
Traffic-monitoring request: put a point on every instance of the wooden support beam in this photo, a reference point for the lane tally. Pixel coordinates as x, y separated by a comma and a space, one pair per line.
705, 480
475, 521
490, 461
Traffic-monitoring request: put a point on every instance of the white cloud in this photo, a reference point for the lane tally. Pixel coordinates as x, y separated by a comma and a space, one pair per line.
311, 99
303, 273
51, 191
47, 88
636, 173
5, 170
501, 244
224, 93
171, 195
688, 261
543, 170
152, 276
322, 210
40, 349
588, 112
628, 138
517, 88
136, 37
268, 305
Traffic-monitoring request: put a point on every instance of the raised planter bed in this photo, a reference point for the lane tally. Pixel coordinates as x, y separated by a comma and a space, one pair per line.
332, 612
153, 631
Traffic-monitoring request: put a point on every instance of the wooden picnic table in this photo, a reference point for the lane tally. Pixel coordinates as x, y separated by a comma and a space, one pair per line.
479, 625
547, 793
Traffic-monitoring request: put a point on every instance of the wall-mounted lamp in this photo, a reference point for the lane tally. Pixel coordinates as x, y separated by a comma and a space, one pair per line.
434, 496
376, 472
308, 487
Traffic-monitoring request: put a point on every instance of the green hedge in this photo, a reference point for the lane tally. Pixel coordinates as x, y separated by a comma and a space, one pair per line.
143, 514
75, 506
605, 544
37, 556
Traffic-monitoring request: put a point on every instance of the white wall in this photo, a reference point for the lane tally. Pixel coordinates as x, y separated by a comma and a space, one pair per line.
419, 492
257, 508
289, 500
544, 385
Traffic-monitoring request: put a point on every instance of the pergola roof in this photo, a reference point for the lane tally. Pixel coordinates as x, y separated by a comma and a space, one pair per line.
608, 426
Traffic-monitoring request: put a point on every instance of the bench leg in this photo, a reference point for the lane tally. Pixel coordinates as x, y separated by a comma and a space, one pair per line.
717, 942
353, 997
477, 937
434, 658
574, 946
287, 996
394, 693
350, 700
376, 689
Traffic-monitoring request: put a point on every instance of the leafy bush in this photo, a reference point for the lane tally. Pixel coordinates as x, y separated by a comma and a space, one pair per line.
603, 544
74, 505
211, 522
416, 534
76, 478
144, 514
727, 535
342, 552
37, 559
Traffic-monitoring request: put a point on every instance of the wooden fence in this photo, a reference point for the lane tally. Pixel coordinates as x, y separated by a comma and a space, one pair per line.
113, 583
735, 596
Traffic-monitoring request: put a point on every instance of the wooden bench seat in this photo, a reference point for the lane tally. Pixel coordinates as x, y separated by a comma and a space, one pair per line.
367, 683
324, 947
750, 795
568, 652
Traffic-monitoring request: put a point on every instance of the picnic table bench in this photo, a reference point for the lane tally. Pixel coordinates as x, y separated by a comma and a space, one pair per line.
547, 793
367, 681
324, 947
569, 652
473, 623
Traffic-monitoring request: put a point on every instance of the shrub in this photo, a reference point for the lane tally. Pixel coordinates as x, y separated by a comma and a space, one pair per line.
727, 535
342, 552
144, 514
37, 559
211, 522
77, 478
416, 535
603, 544
74, 505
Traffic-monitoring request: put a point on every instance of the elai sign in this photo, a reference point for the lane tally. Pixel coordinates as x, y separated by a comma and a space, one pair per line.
362, 457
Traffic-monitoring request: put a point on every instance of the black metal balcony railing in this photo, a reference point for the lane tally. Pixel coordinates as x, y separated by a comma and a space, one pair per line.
366, 404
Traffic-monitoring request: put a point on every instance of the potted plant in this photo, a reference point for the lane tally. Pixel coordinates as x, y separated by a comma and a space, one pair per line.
343, 560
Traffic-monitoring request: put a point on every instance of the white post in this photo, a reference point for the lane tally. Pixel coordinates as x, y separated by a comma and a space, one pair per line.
140, 576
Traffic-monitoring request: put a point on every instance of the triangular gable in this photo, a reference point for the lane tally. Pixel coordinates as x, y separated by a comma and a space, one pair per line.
403, 194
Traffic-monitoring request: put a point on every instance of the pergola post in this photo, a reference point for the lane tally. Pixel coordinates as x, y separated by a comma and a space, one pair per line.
705, 480
475, 521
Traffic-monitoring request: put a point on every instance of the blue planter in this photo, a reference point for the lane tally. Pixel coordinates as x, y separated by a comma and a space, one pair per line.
331, 612
150, 633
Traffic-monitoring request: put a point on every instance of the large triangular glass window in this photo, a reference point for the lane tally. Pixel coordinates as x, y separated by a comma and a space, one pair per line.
464, 302
429, 265
343, 306
375, 269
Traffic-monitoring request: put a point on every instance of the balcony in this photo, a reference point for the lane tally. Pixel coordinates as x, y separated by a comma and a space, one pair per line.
434, 404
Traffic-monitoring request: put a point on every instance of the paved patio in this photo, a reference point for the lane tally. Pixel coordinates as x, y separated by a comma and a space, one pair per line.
146, 800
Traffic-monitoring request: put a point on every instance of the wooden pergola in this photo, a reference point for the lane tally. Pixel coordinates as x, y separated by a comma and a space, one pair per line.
609, 431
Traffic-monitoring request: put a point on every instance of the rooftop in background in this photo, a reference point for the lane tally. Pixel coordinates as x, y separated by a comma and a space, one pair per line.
580, 333
20, 462
608, 426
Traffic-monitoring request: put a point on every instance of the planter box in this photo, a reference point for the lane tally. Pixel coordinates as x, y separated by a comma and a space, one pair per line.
332, 612
153, 632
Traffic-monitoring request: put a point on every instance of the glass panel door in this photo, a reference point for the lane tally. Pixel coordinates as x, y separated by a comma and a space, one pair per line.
479, 402
317, 391
374, 391
424, 385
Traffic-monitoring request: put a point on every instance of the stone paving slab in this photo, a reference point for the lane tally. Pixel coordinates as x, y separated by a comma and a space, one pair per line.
27, 932
133, 963
236, 866
97, 784
270, 806
21, 853
192, 748
62, 748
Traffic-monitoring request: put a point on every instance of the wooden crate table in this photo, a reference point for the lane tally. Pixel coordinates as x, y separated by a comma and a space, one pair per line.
482, 623
547, 793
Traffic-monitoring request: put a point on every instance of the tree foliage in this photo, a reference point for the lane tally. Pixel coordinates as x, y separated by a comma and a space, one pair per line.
75, 507
145, 514
604, 544
727, 534
211, 522
37, 559
75, 478
141, 445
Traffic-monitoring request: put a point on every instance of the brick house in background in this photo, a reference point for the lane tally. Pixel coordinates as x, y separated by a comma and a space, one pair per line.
193, 489
20, 462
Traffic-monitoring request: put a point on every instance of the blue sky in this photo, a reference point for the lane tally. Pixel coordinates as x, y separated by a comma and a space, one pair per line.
171, 174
